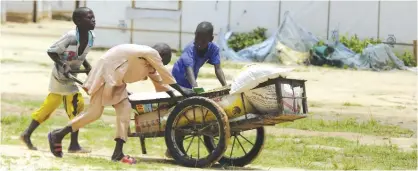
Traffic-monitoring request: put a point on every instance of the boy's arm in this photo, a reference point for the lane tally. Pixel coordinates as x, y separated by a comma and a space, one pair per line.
187, 58
220, 74
87, 66
156, 80
59, 48
55, 57
215, 60
190, 76
186, 93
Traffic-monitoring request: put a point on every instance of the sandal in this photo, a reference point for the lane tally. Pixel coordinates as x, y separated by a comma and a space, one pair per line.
128, 159
55, 147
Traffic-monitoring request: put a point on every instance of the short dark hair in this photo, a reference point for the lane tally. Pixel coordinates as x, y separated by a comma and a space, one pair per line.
79, 12
205, 27
165, 52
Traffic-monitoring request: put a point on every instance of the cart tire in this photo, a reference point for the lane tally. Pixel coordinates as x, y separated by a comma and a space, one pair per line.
177, 150
243, 160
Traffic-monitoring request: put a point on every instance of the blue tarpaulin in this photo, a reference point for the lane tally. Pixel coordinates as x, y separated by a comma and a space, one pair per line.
300, 41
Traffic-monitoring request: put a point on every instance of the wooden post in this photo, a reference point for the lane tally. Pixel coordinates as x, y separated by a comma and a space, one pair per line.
3, 11
77, 4
180, 2
35, 11
415, 51
131, 29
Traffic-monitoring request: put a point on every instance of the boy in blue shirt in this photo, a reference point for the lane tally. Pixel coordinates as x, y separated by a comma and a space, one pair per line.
197, 53
194, 55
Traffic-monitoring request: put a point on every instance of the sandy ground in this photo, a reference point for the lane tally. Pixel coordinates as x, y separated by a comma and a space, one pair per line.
389, 97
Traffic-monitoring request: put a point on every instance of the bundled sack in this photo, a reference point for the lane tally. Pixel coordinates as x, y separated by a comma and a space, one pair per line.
264, 99
253, 74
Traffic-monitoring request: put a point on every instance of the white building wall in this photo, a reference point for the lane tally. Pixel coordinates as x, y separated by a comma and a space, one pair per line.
19, 6
62, 5
312, 15
247, 15
194, 12
399, 19
160, 21
110, 26
355, 17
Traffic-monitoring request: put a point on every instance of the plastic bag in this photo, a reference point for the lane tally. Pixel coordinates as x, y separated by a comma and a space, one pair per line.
254, 74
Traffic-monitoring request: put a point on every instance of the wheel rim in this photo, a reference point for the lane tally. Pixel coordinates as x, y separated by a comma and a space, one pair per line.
189, 126
240, 144
239, 154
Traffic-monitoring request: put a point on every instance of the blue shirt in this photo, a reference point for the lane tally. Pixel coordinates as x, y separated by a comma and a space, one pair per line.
190, 58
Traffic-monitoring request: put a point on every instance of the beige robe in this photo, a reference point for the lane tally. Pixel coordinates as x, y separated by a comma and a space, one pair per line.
126, 63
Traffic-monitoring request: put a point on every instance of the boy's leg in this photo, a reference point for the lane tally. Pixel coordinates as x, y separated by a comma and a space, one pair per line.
93, 113
123, 110
74, 105
49, 105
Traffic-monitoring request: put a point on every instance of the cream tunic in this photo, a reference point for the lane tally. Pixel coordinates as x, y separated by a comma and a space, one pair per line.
126, 63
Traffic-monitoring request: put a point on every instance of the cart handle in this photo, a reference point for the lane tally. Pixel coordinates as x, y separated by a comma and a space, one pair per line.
75, 79
79, 71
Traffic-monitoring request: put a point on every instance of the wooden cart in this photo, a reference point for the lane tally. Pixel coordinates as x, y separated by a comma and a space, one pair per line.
203, 120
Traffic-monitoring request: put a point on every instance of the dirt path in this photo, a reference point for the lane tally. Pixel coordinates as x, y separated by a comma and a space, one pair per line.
17, 158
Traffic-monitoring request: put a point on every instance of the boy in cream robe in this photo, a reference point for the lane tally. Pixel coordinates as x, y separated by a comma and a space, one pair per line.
106, 83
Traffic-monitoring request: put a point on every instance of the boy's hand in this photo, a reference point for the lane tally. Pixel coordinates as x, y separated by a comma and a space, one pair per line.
66, 70
189, 92
88, 69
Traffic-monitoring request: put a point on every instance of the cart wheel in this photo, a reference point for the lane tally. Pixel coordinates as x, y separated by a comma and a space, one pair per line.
192, 119
245, 148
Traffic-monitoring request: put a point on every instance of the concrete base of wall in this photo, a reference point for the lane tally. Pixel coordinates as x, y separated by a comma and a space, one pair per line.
26, 17
62, 15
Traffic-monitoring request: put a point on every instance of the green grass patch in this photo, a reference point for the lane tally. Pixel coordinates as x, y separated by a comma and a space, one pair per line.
8, 60
99, 48
174, 59
371, 127
351, 104
45, 64
14, 61
109, 111
279, 151
232, 65
23, 103
314, 104
62, 17
348, 156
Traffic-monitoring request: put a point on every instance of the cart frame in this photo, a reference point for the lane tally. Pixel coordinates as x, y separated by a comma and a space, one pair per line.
249, 121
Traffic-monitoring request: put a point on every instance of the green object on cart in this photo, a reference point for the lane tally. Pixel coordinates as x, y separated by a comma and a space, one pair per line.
198, 90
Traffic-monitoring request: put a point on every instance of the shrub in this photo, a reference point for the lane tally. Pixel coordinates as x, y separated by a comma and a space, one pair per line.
240, 41
407, 58
357, 46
